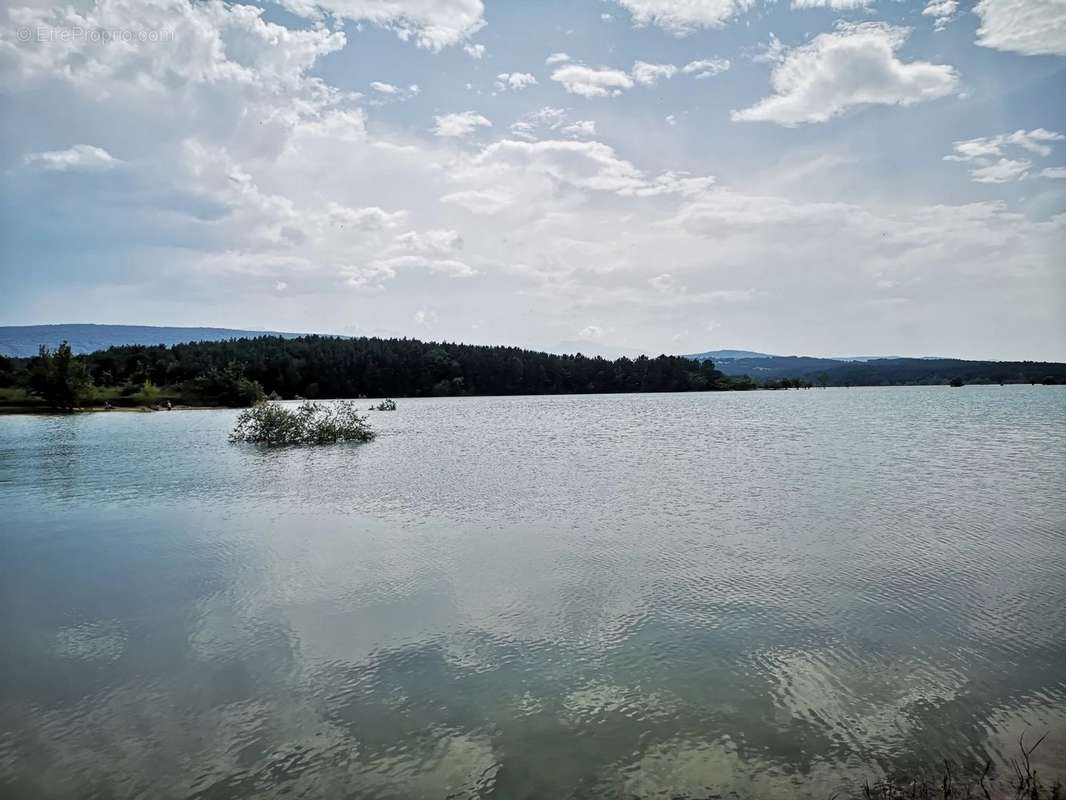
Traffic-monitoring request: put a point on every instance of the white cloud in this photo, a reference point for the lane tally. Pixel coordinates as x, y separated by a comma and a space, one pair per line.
484, 202
461, 124
942, 12
475, 51
591, 332
1001, 171
449, 266
706, 68
854, 66
591, 82
989, 154
1035, 141
541, 169
384, 88
649, 74
1054, 172
431, 242
432, 24
252, 172
663, 283
79, 158
531, 124
551, 120
583, 165
671, 120
556, 58
681, 17
371, 218
514, 80
1029, 27
582, 127
836, 5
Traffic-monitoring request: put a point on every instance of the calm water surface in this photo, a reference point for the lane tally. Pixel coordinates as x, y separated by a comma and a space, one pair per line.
761, 594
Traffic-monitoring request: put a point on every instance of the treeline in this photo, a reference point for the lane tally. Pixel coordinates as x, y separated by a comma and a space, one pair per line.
772, 370
235, 372
926, 371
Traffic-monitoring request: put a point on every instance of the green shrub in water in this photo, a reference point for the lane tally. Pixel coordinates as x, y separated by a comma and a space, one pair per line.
309, 423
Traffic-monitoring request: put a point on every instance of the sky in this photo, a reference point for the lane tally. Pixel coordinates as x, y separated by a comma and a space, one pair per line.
819, 177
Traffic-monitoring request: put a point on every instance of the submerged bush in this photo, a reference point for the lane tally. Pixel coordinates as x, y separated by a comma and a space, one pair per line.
310, 423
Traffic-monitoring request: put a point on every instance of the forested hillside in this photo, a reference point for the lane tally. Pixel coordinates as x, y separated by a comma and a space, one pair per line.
326, 367
23, 341
891, 371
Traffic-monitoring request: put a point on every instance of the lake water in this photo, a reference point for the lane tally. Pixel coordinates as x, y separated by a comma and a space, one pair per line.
760, 595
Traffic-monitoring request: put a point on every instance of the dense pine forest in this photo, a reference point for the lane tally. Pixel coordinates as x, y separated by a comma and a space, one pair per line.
239, 371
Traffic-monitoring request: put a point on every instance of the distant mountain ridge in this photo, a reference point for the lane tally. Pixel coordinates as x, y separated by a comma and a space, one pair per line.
23, 341
887, 371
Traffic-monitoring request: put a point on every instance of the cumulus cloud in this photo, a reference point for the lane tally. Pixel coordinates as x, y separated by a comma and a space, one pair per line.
583, 165
988, 155
650, 74
706, 68
942, 12
253, 172
556, 58
458, 125
79, 158
855, 65
592, 82
475, 51
681, 17
514, 81
1029, 27
431, 24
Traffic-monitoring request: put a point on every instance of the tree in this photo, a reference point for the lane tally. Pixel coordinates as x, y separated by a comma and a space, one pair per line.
228, 387
823, 379
149, 394
58, 378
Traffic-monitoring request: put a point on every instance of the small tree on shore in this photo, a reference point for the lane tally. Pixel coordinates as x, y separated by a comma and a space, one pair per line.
149, 394
58, 378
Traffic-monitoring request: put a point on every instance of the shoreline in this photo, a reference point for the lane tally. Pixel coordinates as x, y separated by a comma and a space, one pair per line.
26, 409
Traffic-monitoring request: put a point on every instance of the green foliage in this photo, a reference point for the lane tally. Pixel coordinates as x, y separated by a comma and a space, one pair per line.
149, 394
7, 372
58, 378
321, 366
387, 404
228, 386
310, 423
957, 382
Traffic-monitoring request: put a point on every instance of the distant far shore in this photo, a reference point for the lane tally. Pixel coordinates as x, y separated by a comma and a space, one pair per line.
241, 372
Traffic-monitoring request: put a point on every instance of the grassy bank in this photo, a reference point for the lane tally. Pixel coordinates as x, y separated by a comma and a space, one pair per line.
15, 400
